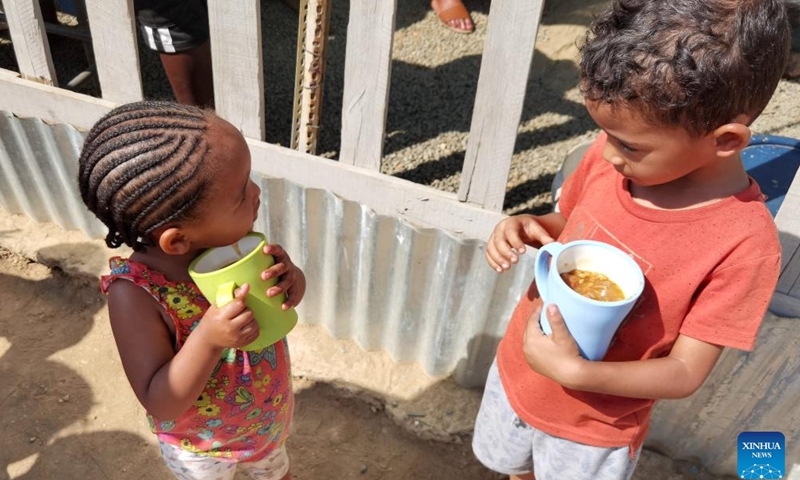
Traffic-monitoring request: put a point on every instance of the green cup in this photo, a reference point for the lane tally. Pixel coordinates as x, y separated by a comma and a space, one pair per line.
218, 272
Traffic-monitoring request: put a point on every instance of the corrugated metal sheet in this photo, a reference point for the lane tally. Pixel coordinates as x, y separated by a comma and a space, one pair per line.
423, 295
38, 171
420, 294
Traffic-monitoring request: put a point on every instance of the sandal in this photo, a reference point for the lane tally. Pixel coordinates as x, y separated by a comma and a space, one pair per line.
454, 10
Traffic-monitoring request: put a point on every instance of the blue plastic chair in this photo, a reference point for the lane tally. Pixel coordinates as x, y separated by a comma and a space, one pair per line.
772, 161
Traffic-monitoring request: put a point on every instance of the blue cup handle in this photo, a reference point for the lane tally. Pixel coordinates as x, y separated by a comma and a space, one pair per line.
542, 266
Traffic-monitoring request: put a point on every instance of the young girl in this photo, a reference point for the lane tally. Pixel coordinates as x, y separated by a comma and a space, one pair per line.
171, 181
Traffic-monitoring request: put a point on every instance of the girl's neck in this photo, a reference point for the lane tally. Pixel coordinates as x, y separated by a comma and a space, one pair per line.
175, 268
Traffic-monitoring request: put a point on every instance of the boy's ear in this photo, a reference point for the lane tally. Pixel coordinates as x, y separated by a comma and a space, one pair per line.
731, 138
173, 241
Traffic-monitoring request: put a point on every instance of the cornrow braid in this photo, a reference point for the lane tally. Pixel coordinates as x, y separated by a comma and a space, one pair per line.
140, 168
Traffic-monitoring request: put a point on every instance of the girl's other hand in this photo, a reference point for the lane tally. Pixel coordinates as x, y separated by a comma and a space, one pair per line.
509, 237
291, 279
232, 325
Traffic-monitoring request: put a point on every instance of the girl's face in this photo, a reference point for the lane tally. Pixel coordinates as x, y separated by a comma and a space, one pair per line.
231, 204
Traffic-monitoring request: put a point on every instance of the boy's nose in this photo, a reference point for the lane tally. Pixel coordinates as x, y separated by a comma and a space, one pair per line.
612, 156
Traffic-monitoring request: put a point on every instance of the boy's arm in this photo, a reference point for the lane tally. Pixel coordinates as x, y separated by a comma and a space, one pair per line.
677, 375
509, 237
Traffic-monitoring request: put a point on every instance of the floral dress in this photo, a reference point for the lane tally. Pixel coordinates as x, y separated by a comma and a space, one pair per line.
246, 407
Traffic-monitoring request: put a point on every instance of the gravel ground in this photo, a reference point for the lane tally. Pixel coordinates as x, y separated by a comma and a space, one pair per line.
434, 79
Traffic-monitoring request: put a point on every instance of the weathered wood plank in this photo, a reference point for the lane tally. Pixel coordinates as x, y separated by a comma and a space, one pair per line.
386, 195
367, 73
788, 222
29, 39
30, 99
116, 52
510, 39
235, 28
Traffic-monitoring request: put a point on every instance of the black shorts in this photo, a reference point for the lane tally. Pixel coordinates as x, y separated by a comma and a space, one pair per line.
171, 26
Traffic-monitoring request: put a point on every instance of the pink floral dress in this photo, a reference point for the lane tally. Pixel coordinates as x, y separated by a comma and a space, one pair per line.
245, 411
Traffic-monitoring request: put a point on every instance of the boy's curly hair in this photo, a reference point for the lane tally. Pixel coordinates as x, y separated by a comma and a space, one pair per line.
140, 168
696, 64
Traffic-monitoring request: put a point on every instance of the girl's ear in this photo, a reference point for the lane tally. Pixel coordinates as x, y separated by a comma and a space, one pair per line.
173, 241
731, 138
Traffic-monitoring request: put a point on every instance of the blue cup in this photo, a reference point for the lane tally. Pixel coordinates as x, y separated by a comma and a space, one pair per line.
592, 323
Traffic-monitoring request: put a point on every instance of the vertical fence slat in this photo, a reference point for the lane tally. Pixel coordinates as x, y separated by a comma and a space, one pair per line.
367, 73
510, 39
29, 38
116, 53
235, 27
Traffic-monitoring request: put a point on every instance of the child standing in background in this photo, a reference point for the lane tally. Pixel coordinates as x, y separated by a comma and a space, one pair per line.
171, 181
674, 85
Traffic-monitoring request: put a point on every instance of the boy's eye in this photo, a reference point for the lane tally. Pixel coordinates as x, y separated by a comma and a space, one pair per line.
624, 146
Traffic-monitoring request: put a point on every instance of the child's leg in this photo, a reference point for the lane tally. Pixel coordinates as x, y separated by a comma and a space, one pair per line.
527, 476
189, 466
274, 466
502, 442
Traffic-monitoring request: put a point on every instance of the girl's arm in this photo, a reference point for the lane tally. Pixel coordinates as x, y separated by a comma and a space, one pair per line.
168, 383
676, 376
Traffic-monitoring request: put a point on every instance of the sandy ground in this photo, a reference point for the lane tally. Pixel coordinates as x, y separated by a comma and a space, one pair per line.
67, 412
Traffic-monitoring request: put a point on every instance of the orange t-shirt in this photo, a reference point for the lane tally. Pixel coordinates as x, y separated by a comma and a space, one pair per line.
710, 273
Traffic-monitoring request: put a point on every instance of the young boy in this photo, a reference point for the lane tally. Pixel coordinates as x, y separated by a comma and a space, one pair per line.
673, 86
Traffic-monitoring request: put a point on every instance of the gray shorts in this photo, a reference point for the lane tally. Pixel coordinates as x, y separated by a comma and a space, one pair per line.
506, 444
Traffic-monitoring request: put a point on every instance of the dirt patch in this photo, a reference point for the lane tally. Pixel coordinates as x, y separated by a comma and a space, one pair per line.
67, 412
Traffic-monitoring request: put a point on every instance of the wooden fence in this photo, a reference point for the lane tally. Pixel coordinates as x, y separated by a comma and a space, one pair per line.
238, 89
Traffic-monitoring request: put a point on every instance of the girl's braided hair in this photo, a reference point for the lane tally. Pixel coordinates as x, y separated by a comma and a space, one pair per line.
140, 169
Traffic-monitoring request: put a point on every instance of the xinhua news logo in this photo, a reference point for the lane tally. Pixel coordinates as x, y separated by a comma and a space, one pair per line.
762, 455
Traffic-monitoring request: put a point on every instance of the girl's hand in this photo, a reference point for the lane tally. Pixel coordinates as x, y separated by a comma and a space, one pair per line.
292, 281
508, 240
555, 356
232, 325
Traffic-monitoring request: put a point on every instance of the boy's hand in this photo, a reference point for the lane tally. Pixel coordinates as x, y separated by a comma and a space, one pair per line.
292, 281
232, 325
555, 356
508, 240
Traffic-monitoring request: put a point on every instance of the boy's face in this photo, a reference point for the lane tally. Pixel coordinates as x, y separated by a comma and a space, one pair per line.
647, 154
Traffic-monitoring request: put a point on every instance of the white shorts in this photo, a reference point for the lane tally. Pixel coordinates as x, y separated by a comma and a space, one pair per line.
191, 466
506, 444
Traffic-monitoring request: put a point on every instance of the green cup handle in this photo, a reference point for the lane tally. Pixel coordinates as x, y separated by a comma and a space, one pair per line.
225, 294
